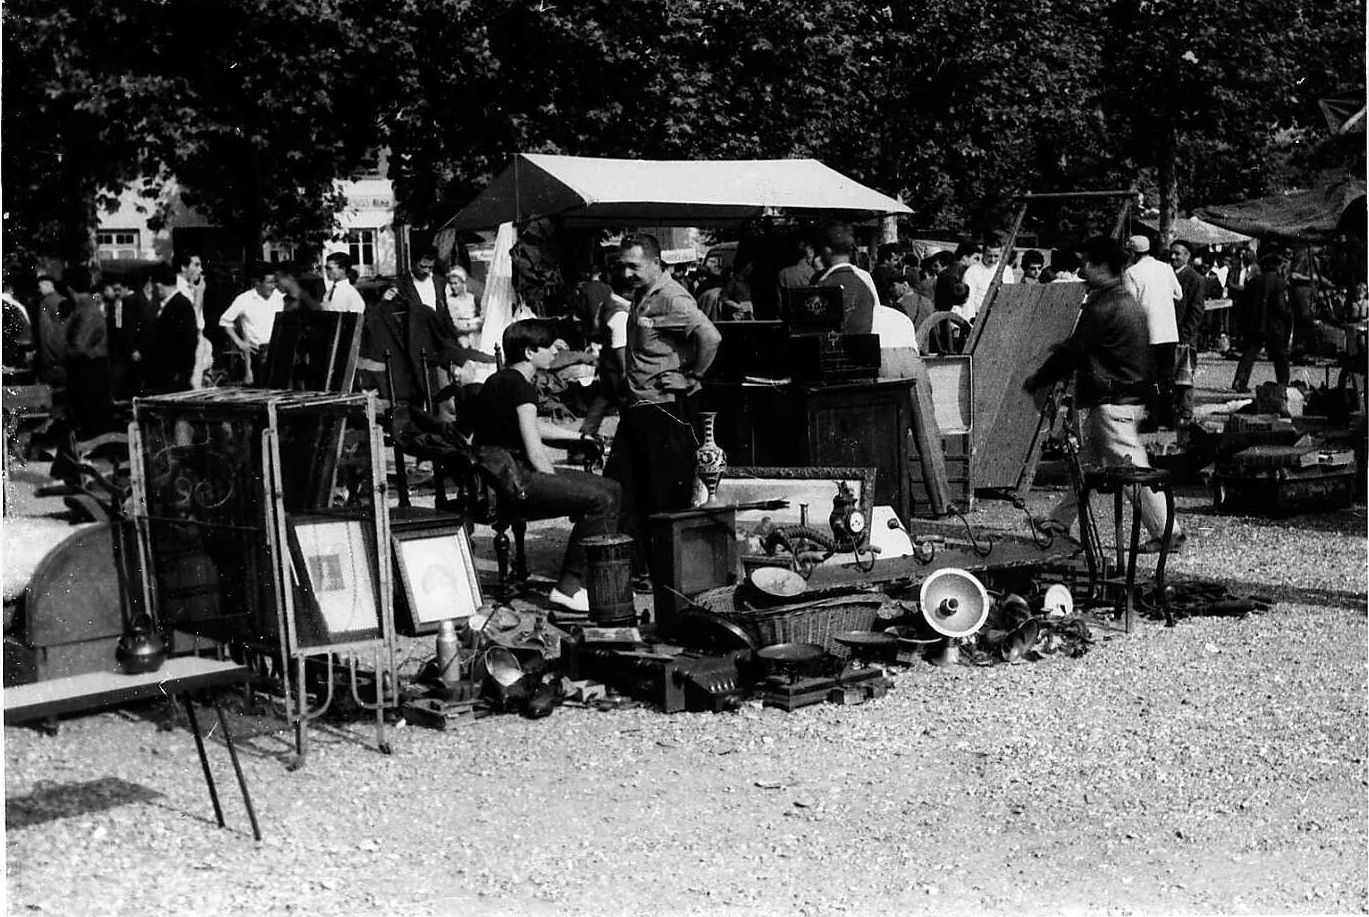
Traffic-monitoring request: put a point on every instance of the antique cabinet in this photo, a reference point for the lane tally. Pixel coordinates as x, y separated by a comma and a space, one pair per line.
860, 424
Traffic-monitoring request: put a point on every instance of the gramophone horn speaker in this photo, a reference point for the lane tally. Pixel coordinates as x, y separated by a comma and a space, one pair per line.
954, 603
503, 666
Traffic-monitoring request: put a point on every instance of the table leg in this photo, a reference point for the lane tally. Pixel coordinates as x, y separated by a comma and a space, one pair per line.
1085, 520
237, 769
1130, 596
1164, 555
204, 760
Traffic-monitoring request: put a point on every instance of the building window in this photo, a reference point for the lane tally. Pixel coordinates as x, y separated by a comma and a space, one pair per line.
276, 252
112, 244
361, 245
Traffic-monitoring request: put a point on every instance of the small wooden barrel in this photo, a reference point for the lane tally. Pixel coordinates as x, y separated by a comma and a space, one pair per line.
608, 579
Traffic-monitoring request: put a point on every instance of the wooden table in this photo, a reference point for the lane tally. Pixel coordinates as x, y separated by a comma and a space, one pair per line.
180, 677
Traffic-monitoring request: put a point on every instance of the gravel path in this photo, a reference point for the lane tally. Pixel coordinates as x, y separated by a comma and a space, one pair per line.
1219, 767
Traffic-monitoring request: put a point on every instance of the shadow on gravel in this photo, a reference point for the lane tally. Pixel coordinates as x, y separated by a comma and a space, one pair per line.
1349, 521
50, 801
1296, 595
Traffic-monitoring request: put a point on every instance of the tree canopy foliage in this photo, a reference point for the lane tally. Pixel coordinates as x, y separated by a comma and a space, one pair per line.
258, 106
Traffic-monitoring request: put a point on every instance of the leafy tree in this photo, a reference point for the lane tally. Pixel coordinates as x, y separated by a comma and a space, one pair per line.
255, 106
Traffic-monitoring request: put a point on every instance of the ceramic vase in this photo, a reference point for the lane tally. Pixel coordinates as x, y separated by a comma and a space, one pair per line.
710, 460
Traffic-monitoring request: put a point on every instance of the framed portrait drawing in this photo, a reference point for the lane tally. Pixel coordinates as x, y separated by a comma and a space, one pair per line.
333, 565
436, 578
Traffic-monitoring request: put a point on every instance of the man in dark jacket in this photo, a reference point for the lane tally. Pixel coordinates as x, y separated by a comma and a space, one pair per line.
1189, 311
87, 349
1109, 355
124, 322
170, 360
1266, 320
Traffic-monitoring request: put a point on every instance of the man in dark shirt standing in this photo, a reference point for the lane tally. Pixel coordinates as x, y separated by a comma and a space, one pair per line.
87, 349
670, 345
1109, 355
1266, 319
1189, 311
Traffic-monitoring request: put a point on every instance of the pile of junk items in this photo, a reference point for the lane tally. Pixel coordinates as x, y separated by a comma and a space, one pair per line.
254, 525
221, 539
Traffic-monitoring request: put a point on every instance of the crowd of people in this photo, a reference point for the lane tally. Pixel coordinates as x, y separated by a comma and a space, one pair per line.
104, 340
100, 341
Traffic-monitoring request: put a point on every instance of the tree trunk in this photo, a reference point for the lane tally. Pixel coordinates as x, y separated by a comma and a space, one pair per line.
1169, 187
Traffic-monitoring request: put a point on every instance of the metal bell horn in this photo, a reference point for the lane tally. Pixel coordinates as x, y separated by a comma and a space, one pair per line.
954, 602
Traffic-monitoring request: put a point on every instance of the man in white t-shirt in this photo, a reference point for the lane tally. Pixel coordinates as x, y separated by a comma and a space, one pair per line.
1157, 289
979, 276
251, 316
338, 293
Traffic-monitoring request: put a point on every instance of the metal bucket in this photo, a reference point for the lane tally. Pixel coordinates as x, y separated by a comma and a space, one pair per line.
608, 580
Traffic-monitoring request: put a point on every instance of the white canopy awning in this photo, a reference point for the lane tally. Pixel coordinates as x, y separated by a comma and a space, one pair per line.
627, 192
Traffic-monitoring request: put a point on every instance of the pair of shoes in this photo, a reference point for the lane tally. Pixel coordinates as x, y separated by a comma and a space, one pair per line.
642, 583
577, 602
1176, 544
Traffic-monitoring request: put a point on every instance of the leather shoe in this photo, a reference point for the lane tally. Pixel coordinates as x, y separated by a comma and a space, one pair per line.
578, 601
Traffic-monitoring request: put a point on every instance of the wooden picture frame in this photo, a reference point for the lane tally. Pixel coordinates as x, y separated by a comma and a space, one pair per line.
814, 485
333, 565
437, 578
313, 351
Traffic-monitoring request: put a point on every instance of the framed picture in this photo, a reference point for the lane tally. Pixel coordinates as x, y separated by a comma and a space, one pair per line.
814, 486
333, 564
437, 578
313, 351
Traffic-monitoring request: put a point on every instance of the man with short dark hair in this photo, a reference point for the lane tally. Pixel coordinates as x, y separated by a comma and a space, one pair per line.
978, 276
799, 272
1033, 263
670, 345
174, 336
250, 318
52, 310
888, 266
1108, 354
1189, 311
88, 390
339, 295
1266, 320
1155, 287
943, 293
190, 281
858, 293
124, 322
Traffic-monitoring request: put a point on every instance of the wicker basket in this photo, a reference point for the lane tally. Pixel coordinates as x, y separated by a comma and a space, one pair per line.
817, 619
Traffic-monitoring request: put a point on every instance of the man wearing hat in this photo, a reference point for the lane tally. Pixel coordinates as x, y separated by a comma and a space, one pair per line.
1156, 288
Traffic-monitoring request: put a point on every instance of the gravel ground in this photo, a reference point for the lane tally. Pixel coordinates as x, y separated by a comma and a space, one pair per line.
1218, 767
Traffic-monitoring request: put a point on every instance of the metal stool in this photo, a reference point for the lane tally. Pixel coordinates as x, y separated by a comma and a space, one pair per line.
1115, 479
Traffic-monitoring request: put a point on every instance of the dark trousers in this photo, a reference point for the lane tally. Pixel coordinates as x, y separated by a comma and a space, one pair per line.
593, 502
1162, 411
1278, 353
89, 396
653, 458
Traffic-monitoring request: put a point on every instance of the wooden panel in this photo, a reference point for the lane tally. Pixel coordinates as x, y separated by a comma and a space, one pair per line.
1026, 322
